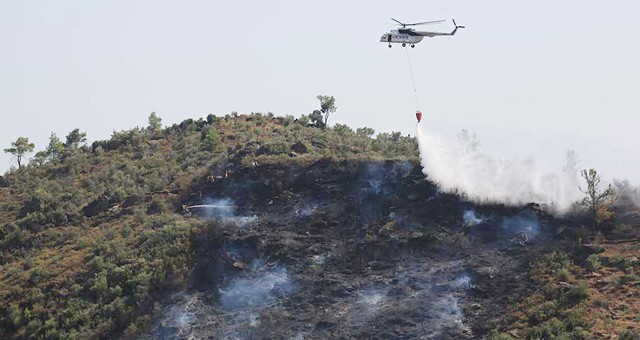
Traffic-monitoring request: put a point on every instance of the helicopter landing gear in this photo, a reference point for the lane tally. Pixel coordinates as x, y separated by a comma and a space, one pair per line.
413, 45
404, 45
389, 45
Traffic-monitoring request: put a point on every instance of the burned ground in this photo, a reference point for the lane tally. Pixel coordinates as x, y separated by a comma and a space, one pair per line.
351, 250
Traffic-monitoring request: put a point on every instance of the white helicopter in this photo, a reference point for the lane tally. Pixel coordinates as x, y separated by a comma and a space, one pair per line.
410, 36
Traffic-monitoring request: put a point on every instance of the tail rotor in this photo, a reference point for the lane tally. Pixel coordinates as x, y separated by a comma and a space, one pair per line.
456, 25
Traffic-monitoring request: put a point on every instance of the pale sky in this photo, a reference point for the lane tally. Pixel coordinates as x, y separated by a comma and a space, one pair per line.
531, 78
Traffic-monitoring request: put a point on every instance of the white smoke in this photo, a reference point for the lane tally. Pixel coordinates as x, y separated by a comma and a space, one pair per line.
461, 167
223, 210
627, 195
367, 306
463, 281
471, 218
257, 289
177, 320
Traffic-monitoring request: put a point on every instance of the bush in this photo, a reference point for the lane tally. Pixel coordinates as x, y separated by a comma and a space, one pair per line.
575, 320
624, 279
577, 293
629, 334
501, 336
563, 274
593, 262
210, 138
543, 312
559, 260
616, 261
276, 148
552, 329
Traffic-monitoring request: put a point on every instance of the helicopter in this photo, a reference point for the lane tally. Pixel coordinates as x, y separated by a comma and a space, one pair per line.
410, 36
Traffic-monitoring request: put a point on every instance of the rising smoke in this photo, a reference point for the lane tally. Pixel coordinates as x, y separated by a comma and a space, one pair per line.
257, 289
627, 195
471, 218
367, 306
176, 321
224, 210
461, 167
522, 223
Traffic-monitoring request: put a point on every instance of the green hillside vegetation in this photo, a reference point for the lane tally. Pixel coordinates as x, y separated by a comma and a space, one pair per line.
92, 236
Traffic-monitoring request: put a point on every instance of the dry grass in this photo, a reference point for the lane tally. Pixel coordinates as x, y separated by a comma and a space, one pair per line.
614, 303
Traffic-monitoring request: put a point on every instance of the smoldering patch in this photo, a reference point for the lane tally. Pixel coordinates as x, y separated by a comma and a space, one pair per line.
471, 218
224, 211
258, 288
368, 304
176, 321
522, 228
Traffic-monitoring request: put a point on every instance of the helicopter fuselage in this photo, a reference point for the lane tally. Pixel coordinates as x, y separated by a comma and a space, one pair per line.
403, 36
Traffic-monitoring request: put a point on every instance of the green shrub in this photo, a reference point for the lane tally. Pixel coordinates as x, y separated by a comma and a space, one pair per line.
576, 293
621, 230
593, 262
575, 320
33, 326
602, 303
559, 260
501, 336
210, 138
563, 274
616, 261
624, 279
629, 334
551, 329
274, 148
543, 312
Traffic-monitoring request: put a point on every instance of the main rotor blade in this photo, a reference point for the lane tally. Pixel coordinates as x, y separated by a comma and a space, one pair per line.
401, 23
426, 22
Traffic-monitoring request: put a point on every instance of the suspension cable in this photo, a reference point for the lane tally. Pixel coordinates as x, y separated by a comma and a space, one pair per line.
413, 81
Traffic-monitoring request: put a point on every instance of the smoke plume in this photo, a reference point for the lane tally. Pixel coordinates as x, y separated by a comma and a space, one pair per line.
223, 210
257, 289
471, 218
463, 168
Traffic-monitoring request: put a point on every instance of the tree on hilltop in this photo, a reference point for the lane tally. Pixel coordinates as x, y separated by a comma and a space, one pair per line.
155, 122
53, 151
19, 148
327, 106
74, 138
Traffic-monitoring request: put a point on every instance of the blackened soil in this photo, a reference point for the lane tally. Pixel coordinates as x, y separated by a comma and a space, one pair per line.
351, 251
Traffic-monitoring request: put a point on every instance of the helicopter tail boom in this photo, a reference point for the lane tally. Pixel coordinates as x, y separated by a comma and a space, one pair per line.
437, 34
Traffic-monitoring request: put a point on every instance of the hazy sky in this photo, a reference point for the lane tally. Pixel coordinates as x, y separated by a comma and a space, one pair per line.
531, 78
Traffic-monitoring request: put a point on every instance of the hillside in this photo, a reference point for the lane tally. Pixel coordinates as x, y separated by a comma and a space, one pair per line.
255, 226
93, 235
